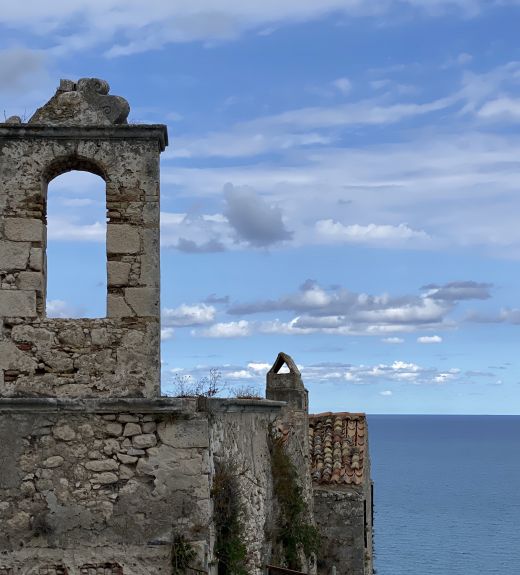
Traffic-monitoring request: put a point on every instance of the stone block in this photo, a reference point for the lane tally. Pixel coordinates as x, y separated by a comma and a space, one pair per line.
150, 260
17, 303
53, 461
14, 255
36, 259
72, 336
26, 333
123, 239
184, 433
64, 432
117, 307
126, 459
126, 472
105, 478
29, 281
144, 301
23, 230
114, 429
132, 429
118, 273
128, 418
99, 465
144, 441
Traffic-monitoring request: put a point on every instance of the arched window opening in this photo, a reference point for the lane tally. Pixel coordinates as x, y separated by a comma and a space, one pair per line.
76, 246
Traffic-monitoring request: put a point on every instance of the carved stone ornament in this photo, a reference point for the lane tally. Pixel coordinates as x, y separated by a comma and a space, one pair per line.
82, 103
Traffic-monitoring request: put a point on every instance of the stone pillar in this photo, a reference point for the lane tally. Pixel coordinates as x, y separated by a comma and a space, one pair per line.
285, 386
292, 428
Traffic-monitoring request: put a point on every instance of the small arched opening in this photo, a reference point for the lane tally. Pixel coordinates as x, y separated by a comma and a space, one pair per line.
75, 192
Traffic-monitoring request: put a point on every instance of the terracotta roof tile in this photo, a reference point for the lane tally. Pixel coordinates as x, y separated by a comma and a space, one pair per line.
337, 448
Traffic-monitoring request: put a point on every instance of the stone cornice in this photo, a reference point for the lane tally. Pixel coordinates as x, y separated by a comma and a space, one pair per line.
179, 405
116, 132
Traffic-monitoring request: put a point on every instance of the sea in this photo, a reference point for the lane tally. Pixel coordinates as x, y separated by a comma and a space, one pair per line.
446, 494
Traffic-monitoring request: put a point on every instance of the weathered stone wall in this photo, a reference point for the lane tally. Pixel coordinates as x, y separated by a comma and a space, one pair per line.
114, 356
81, 486
108, 484
240, 432
344, 518
340, 517
292, 429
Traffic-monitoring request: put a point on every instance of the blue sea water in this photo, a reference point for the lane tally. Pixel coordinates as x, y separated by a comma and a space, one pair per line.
447, 494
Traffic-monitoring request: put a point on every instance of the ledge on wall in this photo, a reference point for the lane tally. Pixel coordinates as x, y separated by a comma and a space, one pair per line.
179, 405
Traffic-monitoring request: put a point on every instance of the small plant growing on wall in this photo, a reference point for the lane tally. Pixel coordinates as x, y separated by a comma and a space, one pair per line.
294, 534
228, 511
182, 554
207, 386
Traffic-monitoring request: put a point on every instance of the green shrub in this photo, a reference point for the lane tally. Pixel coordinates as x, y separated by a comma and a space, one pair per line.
294, 533
182, 554
230, 550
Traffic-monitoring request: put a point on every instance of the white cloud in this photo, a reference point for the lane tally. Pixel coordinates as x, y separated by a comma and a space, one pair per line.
365, 112
393, 340
76, 202
429, 339
225, 330
259, 366
343, 85
424, 311
338, 311
142, 26
401, 373
62, 309
453, 176
386, 393
242, 141
239, 374
507, 109
444, 377
188, 315
60, 229
384, 235
167, 333
196, 233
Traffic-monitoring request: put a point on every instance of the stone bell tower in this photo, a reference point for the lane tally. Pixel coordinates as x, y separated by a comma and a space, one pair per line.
84, 128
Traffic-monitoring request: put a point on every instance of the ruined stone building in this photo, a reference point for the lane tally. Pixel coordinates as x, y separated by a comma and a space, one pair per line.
99, 473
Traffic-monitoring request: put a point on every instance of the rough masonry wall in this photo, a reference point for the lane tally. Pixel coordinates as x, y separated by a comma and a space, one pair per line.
113, 356
344, 516
339, 515
87, 493
240, 436
291, 428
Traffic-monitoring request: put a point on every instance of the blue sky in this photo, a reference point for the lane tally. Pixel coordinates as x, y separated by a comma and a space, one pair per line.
341, 184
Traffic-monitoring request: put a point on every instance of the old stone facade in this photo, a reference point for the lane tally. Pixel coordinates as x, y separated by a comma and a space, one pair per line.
100, 474
115, 356
343, 493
